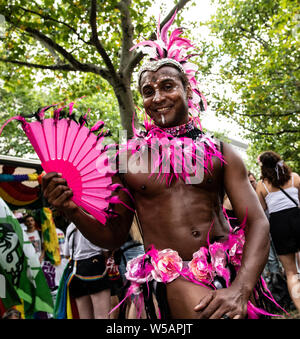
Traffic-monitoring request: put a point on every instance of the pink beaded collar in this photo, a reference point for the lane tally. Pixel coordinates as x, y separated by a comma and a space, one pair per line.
180, 130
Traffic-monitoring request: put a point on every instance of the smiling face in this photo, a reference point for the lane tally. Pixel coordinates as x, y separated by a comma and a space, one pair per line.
165, 97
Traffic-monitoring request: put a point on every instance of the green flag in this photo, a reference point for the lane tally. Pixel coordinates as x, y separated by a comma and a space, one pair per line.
21, 269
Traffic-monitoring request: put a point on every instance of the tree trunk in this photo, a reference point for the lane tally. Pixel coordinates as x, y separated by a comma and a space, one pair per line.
126, 104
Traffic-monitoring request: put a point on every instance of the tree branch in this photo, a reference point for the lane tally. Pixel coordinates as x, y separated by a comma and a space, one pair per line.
95, 40
287, 113
64, 67
137, 57
47, 17
268, 133
49, 42
257, 38
127, 30
42, 37
177, 7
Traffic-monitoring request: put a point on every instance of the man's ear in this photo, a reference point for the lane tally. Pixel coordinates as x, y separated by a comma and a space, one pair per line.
189, 92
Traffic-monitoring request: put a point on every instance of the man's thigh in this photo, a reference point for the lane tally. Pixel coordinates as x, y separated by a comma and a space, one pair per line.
183, 296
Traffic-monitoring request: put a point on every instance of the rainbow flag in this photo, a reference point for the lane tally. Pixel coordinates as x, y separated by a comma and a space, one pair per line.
21, 272
17, 195
65, 306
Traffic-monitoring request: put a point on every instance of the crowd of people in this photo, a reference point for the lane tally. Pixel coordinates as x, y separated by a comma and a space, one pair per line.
95, 283
99, 280
278, 193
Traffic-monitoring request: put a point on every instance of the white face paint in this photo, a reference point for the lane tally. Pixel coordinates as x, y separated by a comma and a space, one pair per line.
164, 96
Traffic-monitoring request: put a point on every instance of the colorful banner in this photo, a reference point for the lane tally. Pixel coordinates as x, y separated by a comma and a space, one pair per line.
50, 240
15, 193
18, 195
65, 306
18, 177
24, 279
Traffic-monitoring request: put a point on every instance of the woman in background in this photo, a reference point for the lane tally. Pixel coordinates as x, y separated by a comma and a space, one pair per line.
278, 191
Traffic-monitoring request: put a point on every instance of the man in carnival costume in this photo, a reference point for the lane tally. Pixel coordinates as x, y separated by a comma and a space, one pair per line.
195, 265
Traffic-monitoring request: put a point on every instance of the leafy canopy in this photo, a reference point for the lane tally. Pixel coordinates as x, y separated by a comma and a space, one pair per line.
259, 55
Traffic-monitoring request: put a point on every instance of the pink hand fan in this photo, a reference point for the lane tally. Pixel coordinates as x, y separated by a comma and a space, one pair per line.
70, 148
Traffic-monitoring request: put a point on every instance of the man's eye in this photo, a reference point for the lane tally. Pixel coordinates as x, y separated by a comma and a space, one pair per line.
147, 92
168, 87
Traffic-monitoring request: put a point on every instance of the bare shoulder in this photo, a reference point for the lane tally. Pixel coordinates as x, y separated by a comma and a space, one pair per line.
296, 179
259, 186
261, 190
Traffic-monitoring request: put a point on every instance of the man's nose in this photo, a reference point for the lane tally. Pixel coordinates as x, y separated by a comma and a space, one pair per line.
158, 96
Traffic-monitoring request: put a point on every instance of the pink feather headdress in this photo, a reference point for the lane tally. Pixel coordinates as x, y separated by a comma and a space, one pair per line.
173, 50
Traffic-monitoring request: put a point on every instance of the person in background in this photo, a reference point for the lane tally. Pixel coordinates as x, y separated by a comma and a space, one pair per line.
273, 271
60, 268
12, 313
272, 265
91, 283
278, 191
34, 235
252, 180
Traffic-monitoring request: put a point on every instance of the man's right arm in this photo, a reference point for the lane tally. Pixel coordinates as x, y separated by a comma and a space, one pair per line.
111, 235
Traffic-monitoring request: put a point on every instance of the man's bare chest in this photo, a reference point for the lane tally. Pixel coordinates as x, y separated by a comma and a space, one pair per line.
156, 166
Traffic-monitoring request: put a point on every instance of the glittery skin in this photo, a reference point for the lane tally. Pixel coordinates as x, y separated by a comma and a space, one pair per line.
153, 66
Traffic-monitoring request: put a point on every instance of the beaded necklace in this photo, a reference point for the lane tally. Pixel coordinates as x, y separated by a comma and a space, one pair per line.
180, 130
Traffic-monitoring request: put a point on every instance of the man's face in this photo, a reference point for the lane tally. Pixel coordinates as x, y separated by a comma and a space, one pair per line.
165, 98
252, 181
30, 223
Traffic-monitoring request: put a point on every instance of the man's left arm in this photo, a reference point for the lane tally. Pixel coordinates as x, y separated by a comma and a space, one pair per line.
233, 300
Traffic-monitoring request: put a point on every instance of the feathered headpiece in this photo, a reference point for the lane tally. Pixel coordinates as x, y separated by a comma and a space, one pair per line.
174, 51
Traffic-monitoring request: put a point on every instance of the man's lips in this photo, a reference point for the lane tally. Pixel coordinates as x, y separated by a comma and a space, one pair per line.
163, 110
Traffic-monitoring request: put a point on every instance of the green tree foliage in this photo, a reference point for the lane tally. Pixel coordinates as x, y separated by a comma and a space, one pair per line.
259, 55
56, 51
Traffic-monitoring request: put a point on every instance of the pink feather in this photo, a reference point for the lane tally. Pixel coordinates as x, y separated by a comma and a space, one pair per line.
164, 31
98, 125
174, 35
158, 28
19, 118
152, 44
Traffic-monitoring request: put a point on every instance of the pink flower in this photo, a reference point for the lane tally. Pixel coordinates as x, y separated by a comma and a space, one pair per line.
167, 265
219, 260
218, 255
235, 245
199, 266
139, 269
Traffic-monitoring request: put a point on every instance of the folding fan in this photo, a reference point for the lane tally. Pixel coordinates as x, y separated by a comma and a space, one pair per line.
63, 145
